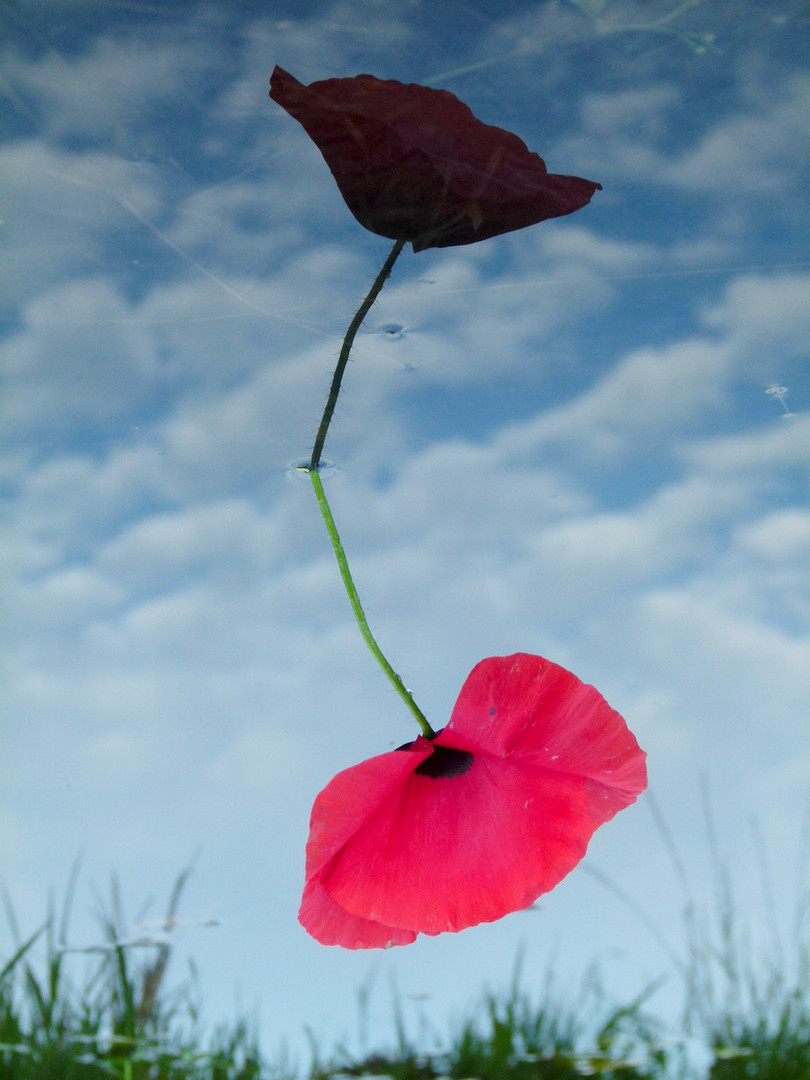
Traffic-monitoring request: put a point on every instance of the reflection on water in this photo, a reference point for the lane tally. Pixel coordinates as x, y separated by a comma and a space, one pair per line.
300, 468
587, 457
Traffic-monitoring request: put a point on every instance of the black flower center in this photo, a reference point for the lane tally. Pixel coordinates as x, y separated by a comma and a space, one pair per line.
444, 761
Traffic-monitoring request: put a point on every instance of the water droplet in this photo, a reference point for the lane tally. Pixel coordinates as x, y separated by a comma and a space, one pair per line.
392, 331
300, 468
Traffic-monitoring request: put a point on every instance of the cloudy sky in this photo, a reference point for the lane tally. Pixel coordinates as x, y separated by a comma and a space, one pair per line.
588, 440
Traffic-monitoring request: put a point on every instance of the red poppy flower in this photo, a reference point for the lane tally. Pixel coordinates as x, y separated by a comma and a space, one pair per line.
464, 828
414, 164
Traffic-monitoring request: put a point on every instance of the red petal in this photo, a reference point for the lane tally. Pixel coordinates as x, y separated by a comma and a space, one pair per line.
447, 853
330, 924
413, 163
353, 796
347, 801
394, 852
532, 710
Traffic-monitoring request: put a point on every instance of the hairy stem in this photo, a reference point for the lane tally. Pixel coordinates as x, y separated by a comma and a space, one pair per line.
343, 359
357, 607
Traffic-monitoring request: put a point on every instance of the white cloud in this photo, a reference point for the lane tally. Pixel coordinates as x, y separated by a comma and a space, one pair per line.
118, 83
646, 399
578, 248
767, 318
81, 360
756, 152
783, 536
756, 149
627, 113
63, 211
228, 535
759, 453
752, 676
66, 600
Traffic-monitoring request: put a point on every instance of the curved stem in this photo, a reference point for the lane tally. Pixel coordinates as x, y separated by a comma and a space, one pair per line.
348, 341
357, 607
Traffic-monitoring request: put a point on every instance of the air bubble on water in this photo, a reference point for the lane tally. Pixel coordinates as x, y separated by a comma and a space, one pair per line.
392, 331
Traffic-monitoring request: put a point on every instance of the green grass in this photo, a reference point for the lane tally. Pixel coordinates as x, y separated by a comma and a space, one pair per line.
752, 1010
120, 1020
523, 1038
748, 995
109, 1012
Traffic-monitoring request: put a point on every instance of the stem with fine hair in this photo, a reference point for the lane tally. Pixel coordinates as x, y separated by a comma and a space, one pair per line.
320, 494
348, 341
357, 607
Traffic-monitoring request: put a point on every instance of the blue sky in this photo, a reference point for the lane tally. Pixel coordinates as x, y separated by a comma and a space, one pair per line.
570, 446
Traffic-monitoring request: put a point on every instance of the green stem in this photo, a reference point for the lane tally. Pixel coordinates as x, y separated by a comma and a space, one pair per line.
320, 494
357, 607
348, 341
